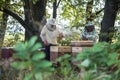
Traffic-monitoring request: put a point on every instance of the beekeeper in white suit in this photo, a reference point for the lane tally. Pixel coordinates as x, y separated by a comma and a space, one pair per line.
49, 35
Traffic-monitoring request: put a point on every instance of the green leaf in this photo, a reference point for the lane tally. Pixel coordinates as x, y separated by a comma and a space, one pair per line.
87, 76
81, 56
85, 63
59, 59
28, 76
20, 65
98, 47
36, 47
21, 55
113, 58
38, 76
32, 41
38, 56
44, 64
19, 47
64, 57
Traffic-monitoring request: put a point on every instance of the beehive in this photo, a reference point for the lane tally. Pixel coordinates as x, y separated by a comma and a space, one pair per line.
79, 46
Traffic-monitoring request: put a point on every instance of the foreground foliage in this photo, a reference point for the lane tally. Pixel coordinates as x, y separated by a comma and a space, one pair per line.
30, 62
101, 62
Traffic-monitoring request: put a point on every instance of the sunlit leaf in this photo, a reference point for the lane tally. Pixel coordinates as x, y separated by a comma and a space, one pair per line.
38, 56
38, 76
32, 41
28, 76
36, 47
19, 47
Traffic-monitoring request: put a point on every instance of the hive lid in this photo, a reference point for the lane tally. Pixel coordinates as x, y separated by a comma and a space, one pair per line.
82, 43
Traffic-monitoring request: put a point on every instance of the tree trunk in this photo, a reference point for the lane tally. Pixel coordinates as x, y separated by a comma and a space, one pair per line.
2, 31
33, 16
33, 13
3, 24
3, 27
107, 24
55, 6
55, 9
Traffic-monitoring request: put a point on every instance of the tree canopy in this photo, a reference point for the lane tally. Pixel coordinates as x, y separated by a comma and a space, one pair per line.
29, 13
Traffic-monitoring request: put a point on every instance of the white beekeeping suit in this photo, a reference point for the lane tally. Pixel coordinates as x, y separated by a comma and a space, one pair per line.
50, 33
89, 32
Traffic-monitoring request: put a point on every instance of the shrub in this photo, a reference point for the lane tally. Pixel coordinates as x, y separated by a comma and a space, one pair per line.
30, 62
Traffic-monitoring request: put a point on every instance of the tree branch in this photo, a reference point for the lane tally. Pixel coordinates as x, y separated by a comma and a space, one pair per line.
58, 3
98, 12
15, 16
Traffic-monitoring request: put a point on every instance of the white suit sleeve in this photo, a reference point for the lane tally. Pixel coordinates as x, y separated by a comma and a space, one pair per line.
43, 34
58, 31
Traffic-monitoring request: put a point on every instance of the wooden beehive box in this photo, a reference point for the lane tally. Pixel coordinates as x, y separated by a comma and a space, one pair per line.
64, 49
57, 51
76, 50
79, 46
85, 43
53, 53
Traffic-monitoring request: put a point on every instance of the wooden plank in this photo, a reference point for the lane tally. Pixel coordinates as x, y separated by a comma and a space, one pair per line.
54, 49
82, 43
64, 49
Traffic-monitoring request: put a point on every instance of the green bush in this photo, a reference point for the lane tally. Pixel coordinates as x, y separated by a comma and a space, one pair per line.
96, 63
99, 60
30, 62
